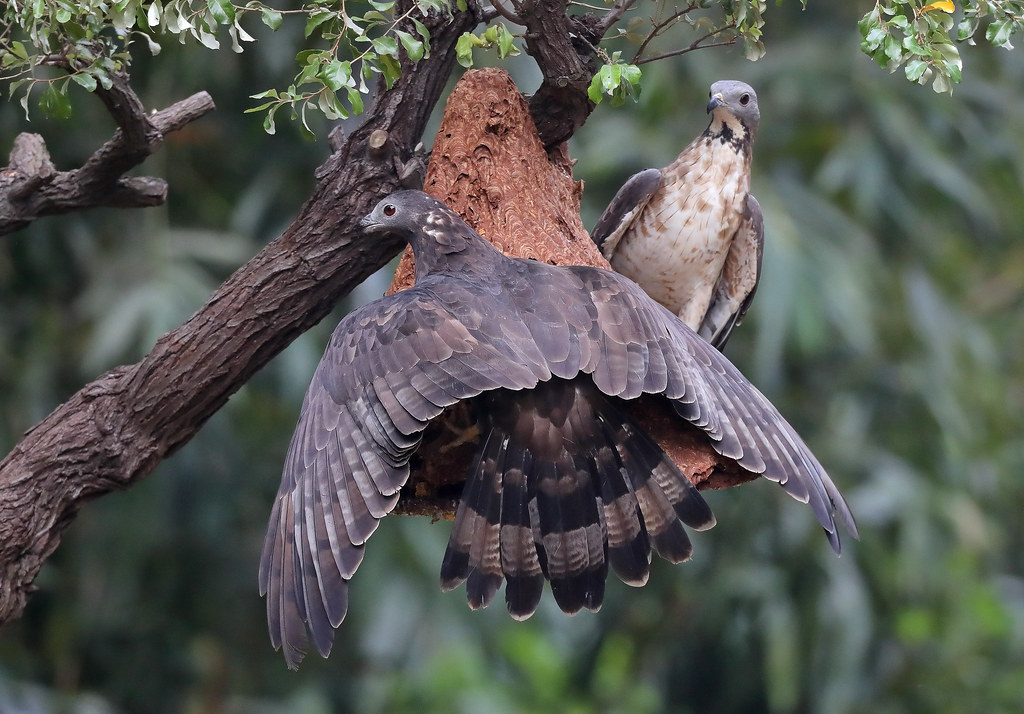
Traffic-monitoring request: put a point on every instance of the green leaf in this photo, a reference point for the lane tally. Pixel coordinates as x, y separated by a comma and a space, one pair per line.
893, 48
942, 84
506, 43
915, 69
392, 70
386, 46
54, 103
595, 90
272, 18
317, 19
338, 74
966, 29
910, 42
998, 33
24, 98
632, 74
208, 40
221, 10
382, 6
464, 49
330, 106
422, 29
87, 81
268, 121
356, 100
875, 37
413, 47
611, 75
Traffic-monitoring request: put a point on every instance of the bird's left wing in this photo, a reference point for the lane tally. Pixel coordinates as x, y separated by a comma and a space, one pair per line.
390, 367
642, 347
737, 283
630, 200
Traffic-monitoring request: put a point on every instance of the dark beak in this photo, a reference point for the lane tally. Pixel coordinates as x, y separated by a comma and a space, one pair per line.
716, 101
366, 222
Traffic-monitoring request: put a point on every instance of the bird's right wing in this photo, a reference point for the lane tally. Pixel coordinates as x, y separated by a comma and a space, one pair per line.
390, 368
630, 200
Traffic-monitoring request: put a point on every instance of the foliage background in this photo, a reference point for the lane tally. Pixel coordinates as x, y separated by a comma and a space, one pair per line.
888, 327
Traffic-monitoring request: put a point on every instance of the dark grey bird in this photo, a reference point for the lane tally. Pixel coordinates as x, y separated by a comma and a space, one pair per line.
691, 234
564, 484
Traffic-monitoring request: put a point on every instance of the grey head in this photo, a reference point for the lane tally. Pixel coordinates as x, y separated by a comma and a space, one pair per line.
403, 214
440, 239
731, 99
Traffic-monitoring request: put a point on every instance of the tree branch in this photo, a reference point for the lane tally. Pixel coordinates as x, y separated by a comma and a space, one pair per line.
562, 46
620, 8
115, 430
31, 187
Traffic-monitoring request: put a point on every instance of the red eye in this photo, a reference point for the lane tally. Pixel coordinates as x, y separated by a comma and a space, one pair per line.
745, 99
389, 210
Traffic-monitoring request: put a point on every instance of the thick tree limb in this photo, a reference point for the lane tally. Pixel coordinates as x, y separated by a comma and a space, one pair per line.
116, 430
31, 187
563, 48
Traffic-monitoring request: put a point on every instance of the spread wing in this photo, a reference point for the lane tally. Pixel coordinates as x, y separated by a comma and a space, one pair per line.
706, 390
390, 368
734, 291
395, 364
623, 210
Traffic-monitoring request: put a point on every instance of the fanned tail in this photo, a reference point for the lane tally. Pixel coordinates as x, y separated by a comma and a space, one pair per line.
563, 486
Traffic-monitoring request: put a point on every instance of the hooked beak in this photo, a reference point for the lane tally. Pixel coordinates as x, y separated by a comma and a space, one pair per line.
369, 225
716, 101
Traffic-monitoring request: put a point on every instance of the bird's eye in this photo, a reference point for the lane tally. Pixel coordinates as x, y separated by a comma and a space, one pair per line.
389, 209
745, 100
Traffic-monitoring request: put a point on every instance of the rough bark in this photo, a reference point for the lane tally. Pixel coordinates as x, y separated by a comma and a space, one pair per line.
115, 430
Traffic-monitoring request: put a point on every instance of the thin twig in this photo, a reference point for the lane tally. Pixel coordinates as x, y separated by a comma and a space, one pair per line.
500, 8
676, 52
661, 27
620, 8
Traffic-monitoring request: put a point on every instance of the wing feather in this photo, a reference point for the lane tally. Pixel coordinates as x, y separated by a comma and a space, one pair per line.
627, 204
734, 290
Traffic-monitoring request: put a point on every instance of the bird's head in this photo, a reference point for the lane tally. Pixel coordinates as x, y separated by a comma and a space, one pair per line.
733, 103
402, 214
438, 236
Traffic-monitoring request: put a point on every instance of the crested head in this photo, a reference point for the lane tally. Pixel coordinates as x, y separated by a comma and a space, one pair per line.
733, 109
440, 239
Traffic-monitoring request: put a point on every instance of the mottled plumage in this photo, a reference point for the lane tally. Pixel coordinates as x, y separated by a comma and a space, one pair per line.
691, 234
564, 484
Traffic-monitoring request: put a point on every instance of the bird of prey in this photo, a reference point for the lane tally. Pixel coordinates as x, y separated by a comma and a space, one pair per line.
564, 484
691, 234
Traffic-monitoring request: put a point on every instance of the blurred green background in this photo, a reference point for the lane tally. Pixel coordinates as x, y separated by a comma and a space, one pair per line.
889, 328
